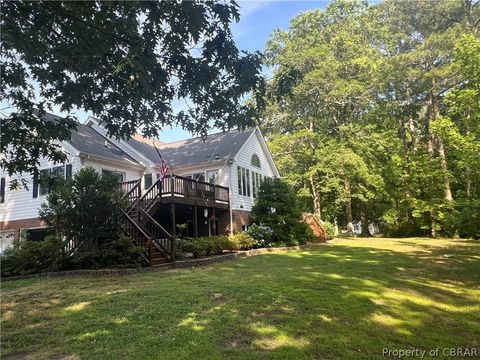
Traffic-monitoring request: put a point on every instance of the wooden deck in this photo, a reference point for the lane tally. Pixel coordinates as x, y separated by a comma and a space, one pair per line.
182, 190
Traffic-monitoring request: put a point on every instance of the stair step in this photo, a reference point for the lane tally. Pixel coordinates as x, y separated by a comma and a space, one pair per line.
163, 265
160, 261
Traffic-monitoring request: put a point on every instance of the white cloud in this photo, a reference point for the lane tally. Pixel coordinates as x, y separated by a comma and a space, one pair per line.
248, 7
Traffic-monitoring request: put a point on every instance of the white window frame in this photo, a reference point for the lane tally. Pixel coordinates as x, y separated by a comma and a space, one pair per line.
5, 233
42, 187
123, 174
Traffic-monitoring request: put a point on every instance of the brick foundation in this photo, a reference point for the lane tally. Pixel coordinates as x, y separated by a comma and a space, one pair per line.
17, 225
240, 218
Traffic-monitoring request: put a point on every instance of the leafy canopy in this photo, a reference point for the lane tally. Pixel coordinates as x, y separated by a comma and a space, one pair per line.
126, 62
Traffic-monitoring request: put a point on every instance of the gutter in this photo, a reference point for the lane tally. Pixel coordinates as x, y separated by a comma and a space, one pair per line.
84, 156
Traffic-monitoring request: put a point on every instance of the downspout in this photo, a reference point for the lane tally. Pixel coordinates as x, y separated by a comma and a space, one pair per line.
230, 193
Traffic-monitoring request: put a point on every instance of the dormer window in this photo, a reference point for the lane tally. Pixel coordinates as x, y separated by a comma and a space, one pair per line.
255, 161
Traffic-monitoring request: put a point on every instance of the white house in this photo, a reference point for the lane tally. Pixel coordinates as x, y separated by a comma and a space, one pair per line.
212, 187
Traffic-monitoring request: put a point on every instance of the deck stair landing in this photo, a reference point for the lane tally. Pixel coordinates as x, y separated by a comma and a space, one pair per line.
158, 244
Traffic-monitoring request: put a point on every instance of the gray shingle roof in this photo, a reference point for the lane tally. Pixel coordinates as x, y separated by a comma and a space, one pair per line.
215, 147
89, 141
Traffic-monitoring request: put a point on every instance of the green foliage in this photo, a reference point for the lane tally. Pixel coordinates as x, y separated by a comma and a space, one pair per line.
87, 210
30, 257
204, 246
112, 253
276, 207
125, 62
261, 234
243, 240
464, 221
354, 296
329, 229
373, 113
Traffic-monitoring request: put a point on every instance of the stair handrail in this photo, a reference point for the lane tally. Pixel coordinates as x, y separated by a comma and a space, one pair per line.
157, 185
135, 187
169, 252
137, 227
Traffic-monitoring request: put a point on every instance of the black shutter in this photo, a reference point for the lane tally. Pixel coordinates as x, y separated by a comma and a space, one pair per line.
35, 186
68, 172
2, 190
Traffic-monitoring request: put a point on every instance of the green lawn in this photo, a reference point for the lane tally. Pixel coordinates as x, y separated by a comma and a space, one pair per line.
347, 299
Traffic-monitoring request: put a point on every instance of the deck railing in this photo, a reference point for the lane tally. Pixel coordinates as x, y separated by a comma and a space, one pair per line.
178, 186
174, 185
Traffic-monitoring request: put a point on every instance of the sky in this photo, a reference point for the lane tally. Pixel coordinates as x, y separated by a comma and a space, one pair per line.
257, 21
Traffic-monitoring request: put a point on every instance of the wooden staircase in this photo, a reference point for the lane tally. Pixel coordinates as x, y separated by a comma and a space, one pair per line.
137, 223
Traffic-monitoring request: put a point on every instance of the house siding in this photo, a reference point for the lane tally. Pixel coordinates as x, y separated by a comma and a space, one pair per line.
243, 159
130, 174
20, 204
223, 172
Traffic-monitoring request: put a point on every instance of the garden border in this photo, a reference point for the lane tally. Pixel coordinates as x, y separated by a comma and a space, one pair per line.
182, 264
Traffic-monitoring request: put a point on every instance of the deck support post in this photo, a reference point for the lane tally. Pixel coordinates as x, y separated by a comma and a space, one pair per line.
172, 217
195, 220
214, 225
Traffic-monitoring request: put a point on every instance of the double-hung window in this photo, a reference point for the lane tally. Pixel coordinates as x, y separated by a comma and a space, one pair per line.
120, 176
48, 176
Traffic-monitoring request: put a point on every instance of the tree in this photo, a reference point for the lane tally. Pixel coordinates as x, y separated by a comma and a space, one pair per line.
276, 207
86, 210
125, 62
322, 84
372, 112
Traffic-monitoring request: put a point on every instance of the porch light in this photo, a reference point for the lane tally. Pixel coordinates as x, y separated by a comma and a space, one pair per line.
205, 213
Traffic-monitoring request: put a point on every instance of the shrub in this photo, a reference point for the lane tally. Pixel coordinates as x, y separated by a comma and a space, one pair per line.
193, 246
243, 241
329, 229
30, 257
276, 207
86, 210
261, 234
121, 252
224, 242
207, 245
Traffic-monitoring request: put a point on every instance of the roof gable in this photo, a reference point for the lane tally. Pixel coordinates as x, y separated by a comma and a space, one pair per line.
88, 141
215, 147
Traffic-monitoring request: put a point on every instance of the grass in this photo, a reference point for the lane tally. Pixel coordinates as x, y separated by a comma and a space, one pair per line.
345, 300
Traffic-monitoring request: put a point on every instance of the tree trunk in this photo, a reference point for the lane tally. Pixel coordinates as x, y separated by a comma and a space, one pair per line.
443, 164
348, 209
316, 198
469, 183
363, 218
413, 135
441, 149
433, 231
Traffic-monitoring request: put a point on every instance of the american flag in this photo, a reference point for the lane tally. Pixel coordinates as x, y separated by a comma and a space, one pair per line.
163, 165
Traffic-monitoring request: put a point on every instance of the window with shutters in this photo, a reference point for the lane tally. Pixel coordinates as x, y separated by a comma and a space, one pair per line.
48, 176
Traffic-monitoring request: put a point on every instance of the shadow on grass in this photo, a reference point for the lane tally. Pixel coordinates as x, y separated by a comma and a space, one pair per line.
338, 301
